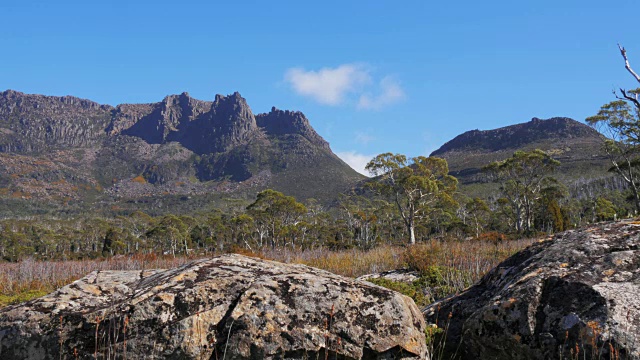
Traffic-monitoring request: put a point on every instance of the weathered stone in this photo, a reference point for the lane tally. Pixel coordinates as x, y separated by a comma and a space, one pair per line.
578, 291
407, 276
231, 307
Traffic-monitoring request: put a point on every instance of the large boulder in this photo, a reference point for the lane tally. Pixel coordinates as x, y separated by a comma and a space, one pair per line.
229, 307
575, 295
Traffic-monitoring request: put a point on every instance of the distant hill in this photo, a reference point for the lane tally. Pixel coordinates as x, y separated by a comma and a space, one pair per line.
66, 150
576, 145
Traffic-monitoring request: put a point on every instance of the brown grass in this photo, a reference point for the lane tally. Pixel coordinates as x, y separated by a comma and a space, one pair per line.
467, 262
351, 263
27, 279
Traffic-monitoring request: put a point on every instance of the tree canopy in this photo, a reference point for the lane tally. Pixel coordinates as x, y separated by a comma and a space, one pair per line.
416, 185
523, 177
619, 120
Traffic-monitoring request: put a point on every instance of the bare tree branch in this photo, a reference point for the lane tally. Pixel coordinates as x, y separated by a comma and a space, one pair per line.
623, 51
633, 99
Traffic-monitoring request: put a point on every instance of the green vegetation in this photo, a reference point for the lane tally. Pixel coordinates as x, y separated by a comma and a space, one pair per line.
412, 201
524, 179
620, 121
420, 187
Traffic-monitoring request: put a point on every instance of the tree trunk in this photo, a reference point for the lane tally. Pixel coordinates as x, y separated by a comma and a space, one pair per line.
412, 233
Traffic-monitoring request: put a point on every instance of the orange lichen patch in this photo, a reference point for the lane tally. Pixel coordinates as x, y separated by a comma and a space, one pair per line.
4, 191
166, 298
564, 265
509, 303
92, 289
59, 182
180, 183
608, 272
530, 275
517, 337
139, 179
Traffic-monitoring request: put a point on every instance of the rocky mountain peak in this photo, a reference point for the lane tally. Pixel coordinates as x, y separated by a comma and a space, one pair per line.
515, 136
285, 122
232, 108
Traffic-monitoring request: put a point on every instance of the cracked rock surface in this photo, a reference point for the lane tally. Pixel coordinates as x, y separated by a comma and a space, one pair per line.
575, 294
231, 307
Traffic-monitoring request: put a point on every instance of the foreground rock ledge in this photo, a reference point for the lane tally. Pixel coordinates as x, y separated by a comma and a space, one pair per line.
231, 307
576, 292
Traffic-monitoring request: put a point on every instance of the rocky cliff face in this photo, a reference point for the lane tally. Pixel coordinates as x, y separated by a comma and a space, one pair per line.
574, 295
284, 122
35, 123
230, 307
229, 123
154, 123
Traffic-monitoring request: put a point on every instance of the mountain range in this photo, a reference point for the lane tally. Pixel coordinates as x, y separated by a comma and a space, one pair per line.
65, 154
66, 150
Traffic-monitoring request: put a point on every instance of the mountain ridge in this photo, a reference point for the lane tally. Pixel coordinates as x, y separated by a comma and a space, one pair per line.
577, 146
214, 146
522, 134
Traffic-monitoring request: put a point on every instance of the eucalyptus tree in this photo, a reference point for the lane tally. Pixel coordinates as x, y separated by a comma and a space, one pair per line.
478, 212
415, 185
274, 212
619, 121
522, 179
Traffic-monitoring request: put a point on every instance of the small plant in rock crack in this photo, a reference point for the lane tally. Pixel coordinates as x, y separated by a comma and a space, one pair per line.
436, 339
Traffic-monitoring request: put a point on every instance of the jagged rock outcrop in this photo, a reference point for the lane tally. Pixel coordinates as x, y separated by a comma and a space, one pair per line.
576, 292
154, 123
231, 307
229, 124
285, 122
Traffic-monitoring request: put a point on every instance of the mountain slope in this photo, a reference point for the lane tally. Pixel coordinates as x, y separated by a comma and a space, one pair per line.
69, 149
576, 145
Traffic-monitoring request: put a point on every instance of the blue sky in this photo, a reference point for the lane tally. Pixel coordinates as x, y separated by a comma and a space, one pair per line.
372, 76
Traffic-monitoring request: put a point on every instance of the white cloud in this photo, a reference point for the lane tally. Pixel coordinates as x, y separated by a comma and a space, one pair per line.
328, 86
356, 161
347, 83
390, 93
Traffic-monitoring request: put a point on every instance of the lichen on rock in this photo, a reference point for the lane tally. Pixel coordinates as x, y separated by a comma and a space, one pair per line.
230, 306
576, 292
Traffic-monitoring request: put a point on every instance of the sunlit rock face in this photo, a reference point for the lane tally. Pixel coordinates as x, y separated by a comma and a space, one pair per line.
577, 292
232, 307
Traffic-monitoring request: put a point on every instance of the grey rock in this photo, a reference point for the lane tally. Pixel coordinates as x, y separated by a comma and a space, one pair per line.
399, 275
577, 289
231, 307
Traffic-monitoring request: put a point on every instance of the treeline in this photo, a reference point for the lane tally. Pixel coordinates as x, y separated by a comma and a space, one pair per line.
409, 200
